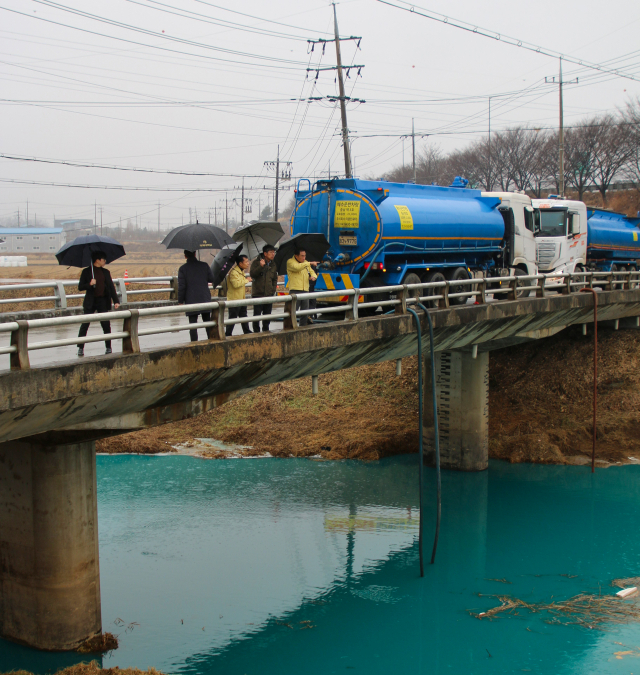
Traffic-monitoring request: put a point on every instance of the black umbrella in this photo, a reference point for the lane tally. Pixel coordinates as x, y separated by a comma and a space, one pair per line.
316, 245
196, 237
224, 261
77, 253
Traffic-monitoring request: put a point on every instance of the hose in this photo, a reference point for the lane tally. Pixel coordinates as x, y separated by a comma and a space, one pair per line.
421, 434
436, 433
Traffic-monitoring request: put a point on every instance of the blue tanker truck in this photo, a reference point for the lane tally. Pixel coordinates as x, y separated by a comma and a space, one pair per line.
383, 234
573, 237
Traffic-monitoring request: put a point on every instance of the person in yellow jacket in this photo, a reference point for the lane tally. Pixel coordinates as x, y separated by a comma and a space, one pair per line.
236, 291
299, 271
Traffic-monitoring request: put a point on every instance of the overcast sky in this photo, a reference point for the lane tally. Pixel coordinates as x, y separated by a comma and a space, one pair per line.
216, 90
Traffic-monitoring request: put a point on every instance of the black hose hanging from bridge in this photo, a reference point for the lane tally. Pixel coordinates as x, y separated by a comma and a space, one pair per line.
420, 433
436, 433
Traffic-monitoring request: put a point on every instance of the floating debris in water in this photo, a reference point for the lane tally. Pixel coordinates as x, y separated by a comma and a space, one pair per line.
586, 610
103, 642
500, 581
625, 583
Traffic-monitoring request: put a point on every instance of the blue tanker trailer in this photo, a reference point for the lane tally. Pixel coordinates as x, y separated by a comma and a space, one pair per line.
574, 237
384, 233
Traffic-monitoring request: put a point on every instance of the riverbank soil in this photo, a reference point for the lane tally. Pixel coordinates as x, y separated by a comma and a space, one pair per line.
540, 409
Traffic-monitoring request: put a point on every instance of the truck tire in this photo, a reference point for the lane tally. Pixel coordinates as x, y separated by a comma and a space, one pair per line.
456, 275
522, 293
432, 277
413, 278
372, 297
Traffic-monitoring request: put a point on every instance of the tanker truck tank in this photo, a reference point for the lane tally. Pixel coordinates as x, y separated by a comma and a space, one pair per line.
613, 240
395, 233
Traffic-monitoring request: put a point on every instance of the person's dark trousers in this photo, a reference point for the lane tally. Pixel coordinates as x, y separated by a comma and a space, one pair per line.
312, 302
303, 303
237, 313
257, 311
100, 305
193, 318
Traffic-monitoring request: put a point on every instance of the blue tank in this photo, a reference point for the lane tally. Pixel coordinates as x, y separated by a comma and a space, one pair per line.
612, 237
399, 226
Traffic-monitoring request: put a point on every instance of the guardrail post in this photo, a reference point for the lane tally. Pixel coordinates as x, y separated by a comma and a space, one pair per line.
590, 281
352, 314
121, 290
513, 289
610, 282
61, 296
566, 288
131, 344
626, 285
444, 300
482, 288
217, 314
291, 321
402, 296
173, 295
541, 289
19, 360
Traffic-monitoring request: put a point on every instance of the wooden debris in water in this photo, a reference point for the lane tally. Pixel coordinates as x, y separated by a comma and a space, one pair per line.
587, 610
103, 642
625, 583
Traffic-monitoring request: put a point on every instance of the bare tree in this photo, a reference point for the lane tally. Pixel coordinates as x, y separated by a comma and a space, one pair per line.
631, 118
612, 152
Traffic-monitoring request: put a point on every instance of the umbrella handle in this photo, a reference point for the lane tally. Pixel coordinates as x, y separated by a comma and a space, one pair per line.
92, 275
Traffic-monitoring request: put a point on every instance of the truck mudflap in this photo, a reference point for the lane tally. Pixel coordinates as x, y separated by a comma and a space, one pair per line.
334, 281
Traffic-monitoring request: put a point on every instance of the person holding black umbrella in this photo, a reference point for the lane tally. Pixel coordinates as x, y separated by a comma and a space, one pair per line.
193, 288
100, 291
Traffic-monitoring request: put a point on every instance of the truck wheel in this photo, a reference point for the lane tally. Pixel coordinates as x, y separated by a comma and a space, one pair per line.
432, 277
372, 297
522, 293
413, 278
633, 284
458, 274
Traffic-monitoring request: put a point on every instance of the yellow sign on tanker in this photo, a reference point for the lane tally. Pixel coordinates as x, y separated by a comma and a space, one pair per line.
406, 219
347, 214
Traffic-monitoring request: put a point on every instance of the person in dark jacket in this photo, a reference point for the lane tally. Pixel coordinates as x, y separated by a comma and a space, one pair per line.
100, 291
193, 288
264, 277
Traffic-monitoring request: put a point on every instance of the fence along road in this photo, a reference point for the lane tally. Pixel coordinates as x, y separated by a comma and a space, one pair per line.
154, 325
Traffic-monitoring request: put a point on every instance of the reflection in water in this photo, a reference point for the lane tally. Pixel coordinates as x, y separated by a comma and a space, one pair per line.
288, 566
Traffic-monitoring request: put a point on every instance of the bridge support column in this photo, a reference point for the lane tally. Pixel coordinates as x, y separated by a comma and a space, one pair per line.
462, 390
49, 569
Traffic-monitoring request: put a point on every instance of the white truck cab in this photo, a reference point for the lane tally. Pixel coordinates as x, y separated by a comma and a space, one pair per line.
520, 230
561, 242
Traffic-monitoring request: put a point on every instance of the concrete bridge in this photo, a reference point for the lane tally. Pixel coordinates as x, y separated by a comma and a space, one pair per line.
51, 416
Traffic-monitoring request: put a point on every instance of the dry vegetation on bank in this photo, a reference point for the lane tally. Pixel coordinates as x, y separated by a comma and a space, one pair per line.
540, 409
93, 669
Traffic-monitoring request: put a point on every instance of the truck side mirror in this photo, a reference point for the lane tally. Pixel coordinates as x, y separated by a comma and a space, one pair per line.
571, 220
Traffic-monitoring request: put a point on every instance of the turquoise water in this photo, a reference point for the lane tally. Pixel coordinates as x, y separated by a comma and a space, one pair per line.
281, 567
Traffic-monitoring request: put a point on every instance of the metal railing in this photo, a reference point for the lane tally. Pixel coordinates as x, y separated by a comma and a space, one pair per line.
438, 295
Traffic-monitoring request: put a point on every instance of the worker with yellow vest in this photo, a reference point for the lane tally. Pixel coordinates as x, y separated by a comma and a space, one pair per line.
236, 291
299, 270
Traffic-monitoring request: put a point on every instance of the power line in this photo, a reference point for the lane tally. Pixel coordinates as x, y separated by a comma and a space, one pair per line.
499, 37
112, 187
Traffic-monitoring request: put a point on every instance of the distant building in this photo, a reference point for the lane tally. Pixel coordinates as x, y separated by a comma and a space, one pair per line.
24, 240
80, 226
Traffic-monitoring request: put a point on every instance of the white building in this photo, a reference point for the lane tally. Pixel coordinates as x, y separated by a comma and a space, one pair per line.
23, 240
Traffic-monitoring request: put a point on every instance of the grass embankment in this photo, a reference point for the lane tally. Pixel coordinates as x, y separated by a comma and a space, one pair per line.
93, 669
539, 406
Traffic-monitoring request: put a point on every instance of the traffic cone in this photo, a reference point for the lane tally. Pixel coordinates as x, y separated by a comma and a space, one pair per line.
126, 276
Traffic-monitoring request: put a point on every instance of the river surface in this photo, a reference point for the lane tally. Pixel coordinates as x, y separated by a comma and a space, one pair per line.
289, 566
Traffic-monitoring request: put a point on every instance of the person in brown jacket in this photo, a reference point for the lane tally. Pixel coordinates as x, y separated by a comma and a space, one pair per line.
264, 277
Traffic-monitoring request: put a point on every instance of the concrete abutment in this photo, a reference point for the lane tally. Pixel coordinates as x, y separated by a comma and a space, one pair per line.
49, 565
462, 390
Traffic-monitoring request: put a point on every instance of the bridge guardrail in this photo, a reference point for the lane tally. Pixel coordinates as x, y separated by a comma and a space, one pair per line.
437, 294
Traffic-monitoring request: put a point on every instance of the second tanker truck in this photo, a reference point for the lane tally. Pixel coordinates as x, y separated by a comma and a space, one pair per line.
384, 234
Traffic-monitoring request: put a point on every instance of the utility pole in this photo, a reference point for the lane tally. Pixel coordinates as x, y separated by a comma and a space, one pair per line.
101, 220
158, 217
560, 126
242, 204
413, 147
27, 213
95, 217
342, 97
343, 103
489, 181
281, 174
226, 212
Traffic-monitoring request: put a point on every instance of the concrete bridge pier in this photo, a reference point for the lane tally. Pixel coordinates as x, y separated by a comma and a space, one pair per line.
49, 567
462, 390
